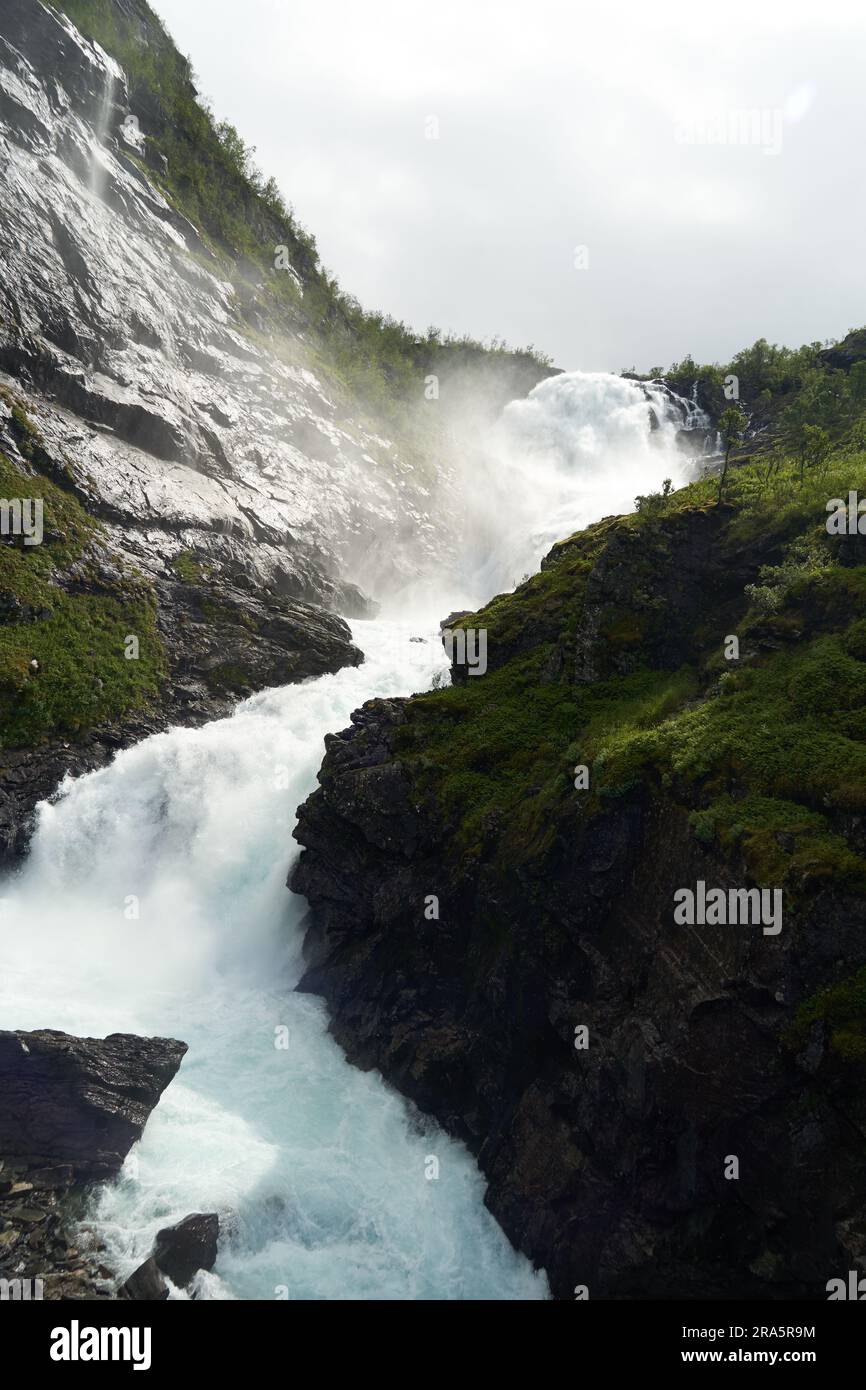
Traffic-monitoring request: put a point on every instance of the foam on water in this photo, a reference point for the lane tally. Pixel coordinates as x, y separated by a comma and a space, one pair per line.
154, 901
580, 446
318, 1168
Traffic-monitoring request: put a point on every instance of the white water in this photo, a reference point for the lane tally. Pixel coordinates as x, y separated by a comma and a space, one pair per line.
319, 1170
579, 447
98, 166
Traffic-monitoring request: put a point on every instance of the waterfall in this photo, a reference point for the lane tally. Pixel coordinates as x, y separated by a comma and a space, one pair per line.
102, 126
582, 445
153, 901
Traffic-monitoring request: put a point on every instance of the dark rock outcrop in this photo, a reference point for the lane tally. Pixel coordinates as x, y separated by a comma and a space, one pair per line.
80, 1101
71, 1110
146, 1284
704, 1137
844, 354
606, 1166
182, 1250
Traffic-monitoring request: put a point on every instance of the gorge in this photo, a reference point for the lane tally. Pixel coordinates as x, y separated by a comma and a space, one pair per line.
231, 633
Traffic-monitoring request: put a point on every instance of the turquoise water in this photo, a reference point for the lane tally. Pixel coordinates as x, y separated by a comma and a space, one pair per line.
154, 901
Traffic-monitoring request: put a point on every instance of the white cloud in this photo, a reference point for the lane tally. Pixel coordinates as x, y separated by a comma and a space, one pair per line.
558, 126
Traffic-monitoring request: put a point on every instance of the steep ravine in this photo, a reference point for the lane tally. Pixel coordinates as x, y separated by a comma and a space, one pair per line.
471, 909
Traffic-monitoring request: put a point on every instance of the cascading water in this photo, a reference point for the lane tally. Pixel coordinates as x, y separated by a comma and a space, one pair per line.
154, 901
102, 124
580, 446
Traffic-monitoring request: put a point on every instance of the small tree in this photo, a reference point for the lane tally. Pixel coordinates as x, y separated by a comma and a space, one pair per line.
732, 427
812, 445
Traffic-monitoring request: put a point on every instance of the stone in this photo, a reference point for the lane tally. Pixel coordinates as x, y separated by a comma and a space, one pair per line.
190, 1245
146, 1284
80, 1101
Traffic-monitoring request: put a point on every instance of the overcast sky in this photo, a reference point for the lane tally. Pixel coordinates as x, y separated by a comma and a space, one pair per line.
592, 189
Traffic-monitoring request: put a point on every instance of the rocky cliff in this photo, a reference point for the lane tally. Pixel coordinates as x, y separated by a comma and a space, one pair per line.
199, 411
155, 372
660, 1109
72, 1109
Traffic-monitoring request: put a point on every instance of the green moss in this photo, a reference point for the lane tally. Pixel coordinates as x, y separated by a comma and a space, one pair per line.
220, 614
83, 676
788, 734
499, 752
855, 640
842, 1008
78, 640
768, 754
188, 567
491, 748
230, 677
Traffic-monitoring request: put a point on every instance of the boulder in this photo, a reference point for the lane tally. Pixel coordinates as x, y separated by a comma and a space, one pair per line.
190, 1245
146, 1285
82, 1102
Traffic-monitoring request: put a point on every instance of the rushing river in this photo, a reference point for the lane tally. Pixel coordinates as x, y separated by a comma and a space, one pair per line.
153, 901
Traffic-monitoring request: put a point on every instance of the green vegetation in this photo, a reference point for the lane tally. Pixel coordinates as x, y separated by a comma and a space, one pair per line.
767, 754
188, 567
209, 174
229, 678
804, 403
75, 636
732, 427
842, 1009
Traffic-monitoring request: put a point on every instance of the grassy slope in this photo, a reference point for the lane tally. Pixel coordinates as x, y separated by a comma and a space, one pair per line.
769, 753
76, 634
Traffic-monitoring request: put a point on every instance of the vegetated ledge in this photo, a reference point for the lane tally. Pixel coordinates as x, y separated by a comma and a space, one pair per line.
72, 691
72, 1109
607, 1165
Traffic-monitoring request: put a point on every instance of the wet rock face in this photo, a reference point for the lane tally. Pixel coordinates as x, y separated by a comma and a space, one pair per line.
217, 473
182, 1250
606, 1063
136, 350
72, 1109
607, 1165
82, 1102
146, 1285
223, 637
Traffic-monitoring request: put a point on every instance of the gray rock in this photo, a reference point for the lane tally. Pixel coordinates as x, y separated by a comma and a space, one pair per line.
82, 1102
190, 1245
72, 1108
146, 1284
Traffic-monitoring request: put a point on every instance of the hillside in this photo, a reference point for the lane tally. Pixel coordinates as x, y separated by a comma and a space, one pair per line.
228, 452
493, 871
